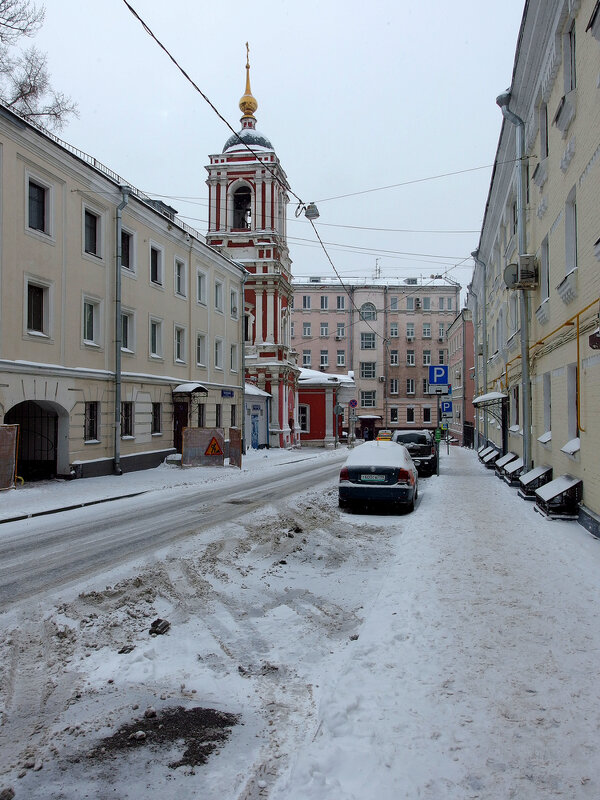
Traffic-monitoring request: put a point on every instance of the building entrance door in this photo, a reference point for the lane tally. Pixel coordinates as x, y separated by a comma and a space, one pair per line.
180, 421
38, 432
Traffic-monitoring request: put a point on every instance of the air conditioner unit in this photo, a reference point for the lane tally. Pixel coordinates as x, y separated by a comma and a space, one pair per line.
339, 338
417, 302
440, 338
410, 338
381, 379
523, 274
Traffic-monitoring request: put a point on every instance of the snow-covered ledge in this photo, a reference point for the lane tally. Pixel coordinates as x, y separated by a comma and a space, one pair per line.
571, 447
565, 113
542, 312
545, 438
515, 430
597, 249
540, 173
567, 288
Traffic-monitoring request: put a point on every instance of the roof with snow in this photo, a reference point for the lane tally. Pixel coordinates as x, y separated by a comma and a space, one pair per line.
314, 377
248, 136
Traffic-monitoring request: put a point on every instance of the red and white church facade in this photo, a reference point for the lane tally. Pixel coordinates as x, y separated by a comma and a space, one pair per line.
248, 198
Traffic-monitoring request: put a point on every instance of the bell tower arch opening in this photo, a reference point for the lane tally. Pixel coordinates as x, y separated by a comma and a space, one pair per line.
242, 208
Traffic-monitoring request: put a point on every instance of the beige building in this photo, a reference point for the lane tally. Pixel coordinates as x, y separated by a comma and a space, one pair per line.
103, 365
536, 284
387, 332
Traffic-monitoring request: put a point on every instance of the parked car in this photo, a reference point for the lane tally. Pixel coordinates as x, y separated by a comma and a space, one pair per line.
379, 472
384, 436
421, 446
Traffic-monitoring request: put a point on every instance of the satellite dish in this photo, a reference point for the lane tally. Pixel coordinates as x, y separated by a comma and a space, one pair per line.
511, 276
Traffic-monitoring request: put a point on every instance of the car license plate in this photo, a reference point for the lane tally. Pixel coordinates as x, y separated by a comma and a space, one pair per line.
372, 478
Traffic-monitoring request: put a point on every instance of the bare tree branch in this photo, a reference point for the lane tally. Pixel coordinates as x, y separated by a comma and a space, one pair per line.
19, 18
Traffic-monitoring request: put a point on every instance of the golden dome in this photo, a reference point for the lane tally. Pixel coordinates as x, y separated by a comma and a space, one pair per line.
248, 104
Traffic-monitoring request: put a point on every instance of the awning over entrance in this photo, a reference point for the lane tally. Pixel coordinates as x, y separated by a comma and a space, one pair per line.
368, 416
190, 388
490, 397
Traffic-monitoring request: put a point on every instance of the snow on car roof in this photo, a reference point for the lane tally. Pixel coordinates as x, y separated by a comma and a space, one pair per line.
382, 453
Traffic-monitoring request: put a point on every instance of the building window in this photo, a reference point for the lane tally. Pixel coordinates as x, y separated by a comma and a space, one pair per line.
441, 331
242, 209
201, 288
572, 426
410, 358
38, 207
233, 304
324, 358
306, 302
179, 343
324, 329
394, 414
410, 303
393, 385
367, 369
92, 415
449, 303
393, 330
233, 358
514, 406
426, 358
156, 265
304, 418
341, 330
219, 296
306, 329
341, 358
233, 417
410, 386
126, 418
91, 232
127, 248
571, 232
441, 303
38, 309
368, 312
427, 330
341, 302
441, 356
306, 360
218, 415
426, 413
545, 272
425, 383
410, 414
543, 118
393, 358
410, 330
218, 354
292, 329
156, 418
394, 303
91, 321
180, 278
156, 344
324, 302
368, 399
201, 415
200, 350
570, 59
367, 341
427, 304
127, 332
547, 402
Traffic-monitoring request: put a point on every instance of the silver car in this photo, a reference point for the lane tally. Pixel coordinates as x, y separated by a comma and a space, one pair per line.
379, 472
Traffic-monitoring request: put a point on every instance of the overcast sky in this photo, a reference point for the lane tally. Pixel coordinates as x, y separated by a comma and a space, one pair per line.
353, 96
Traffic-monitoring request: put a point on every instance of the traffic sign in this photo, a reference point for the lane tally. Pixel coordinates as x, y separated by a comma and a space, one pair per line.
446, 407
438, 375
353, 403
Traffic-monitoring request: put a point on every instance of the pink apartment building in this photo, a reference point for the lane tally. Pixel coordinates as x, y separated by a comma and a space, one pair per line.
460, 361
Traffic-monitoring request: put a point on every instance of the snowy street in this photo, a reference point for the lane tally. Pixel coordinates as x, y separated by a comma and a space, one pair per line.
446, 654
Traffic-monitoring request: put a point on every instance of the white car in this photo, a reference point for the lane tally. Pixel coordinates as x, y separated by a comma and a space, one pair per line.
379, 472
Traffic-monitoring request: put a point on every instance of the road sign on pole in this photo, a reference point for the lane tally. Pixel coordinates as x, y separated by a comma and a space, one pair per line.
438, 375
446, 406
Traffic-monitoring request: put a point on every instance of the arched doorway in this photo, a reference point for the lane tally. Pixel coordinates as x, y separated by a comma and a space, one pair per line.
43, 426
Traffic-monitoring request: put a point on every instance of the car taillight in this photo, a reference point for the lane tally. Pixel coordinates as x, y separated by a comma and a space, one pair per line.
432, 449
405, 476
344, 474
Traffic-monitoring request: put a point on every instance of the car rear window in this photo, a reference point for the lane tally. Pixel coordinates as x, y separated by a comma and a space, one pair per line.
417, 438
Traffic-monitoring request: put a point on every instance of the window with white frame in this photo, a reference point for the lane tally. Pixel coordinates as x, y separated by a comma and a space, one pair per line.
394, 330
394, 414
341, 330
180, 278
441, 331
544, 270
427, 304
233, 358
38, 307
410, 330
426, 414
39, 206
179, 344
543, 120
92, 232
410, 303
201, 291
292, 327
570, 70
393, 385
367, 369
424, 385
426, 358
218, 353
367, 341
341, 358
427, 330
324, 302
128, 250
306, 302
306, 358
393, 358
547, 402
91, 322
410, 414
156, 338
368, 312
410, 358
514, 406
218, 295
234, 304
201, 349
127, 331
571, 231
304, 418
441, 356
156, 264
127, 419
368, 399
324, 360
306, 329
449, 303
91, 421
156, 418
441, 303
324, 329
572, 423
394, 303
410, 386
341, 302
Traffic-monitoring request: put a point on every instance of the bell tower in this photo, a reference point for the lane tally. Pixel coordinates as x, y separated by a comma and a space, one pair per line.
248, 198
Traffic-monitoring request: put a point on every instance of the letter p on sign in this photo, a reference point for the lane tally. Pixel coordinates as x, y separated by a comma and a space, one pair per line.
438, 374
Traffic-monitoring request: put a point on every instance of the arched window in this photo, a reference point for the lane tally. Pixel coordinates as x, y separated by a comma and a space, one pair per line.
242, 208
368, 311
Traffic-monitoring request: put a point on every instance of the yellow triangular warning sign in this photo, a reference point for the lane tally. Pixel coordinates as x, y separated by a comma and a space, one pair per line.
214, 448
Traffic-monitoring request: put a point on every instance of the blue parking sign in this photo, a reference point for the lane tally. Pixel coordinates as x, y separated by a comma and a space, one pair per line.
438, 375
446, 406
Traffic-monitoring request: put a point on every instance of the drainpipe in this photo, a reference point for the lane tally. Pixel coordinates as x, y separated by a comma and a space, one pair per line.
243, 340
464, 375
118, 332
475, 360
483, 268
503, 100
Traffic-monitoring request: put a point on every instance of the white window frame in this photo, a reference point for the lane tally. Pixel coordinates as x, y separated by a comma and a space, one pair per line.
368, 398
426, 358
427, 304
341, 358
129, 315
427, 330
571, 231
306, 358
201, 287
410, 303
324, 329
324, 358
304, 417
158, 324
132, 268
393, 385
48, 231
394, 302
219, 288
410, 358
394, 414
233, 358
234, 304
47, 288
367, 341
160, 264
394, 330
341, 330
218, 350
201, 349
96, 305
368, 370
180, 280
394, 358
98, 253
341, 302
410, 386
324, 302
306, 302
179, 344
306, 329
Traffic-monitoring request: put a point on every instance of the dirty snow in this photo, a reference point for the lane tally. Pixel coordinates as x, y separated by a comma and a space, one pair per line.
449, 653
